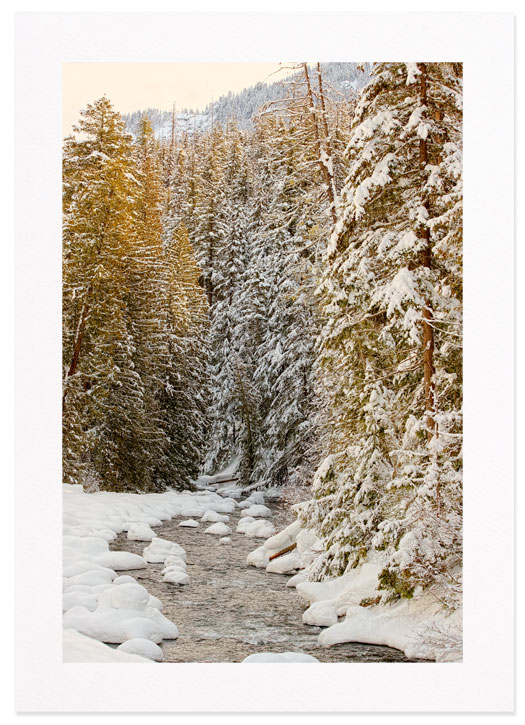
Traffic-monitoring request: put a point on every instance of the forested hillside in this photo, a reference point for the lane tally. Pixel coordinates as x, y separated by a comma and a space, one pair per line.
278, 282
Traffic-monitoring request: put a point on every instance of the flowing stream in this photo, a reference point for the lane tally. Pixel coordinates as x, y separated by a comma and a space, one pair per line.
229, 610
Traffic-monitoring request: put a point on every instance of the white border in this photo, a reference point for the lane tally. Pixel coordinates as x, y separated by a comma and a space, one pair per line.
484, 681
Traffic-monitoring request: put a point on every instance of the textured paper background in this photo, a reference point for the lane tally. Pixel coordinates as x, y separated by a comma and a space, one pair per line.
484, 681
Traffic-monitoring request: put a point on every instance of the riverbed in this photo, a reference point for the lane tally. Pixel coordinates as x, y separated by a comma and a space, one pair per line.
229, 610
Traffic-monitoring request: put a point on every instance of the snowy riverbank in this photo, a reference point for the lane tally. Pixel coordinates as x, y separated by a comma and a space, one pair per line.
104, 602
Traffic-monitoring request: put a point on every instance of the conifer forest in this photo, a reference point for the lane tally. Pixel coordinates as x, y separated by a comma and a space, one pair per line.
262, 316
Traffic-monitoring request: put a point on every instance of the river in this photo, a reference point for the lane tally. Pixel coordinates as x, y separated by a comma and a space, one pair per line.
229, 610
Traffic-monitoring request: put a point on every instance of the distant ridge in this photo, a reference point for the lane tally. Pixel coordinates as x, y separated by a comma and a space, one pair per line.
339, 78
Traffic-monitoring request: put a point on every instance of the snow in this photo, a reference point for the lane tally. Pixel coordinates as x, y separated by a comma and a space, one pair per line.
159, 550
257, 511
258, 558
142, 647
173, 575
218, 529
140, 532
321, 614
284, 538
77, 647
190, 523
225, 540
280, 657
213, 516
259, 529
284, 564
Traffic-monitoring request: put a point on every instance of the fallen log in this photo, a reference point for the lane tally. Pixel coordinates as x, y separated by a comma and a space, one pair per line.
283, 551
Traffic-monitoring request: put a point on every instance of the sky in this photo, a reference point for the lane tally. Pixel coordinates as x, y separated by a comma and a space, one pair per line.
136, 86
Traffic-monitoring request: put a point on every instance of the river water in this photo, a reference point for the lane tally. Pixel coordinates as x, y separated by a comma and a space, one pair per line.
229, 610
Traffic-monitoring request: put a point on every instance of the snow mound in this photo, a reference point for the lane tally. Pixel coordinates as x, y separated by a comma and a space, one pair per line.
259, 529
140, 532
225, 540
190, 523
258, 558
321, 614
296, 579
122, 613
284, 538
257, 511
121, 560
218, 529
142, 647
77, 647
213, 517
173, 575
159, 549
243, 524
284, 564
280, 657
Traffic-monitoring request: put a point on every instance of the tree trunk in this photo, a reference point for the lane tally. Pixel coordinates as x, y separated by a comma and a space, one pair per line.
327, 177
426, 258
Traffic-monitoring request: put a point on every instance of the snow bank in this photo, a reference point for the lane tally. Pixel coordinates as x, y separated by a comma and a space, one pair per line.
78, 647
123, 612
99, 604
280, 657
419, 627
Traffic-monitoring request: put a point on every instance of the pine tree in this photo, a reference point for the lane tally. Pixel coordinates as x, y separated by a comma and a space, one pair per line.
391, 345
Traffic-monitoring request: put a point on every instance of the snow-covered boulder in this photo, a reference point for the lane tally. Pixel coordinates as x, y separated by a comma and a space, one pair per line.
258, 558
259, 529
142, 647
243, 524
296, 579
214, 517
122, 613
321, 614
189, 523
284, 564
284, 538
77, 647
219, 529
225, 540
173, 575
159, 549
121, 560
257, 511
140, 532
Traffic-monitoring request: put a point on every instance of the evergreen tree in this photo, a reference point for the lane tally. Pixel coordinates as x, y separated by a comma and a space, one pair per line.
391, 345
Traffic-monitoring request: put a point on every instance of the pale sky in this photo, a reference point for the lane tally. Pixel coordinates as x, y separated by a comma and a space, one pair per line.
136, 86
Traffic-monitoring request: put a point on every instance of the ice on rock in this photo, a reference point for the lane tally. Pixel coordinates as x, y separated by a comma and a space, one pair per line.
321, 614
219, 529
259, 529
140, 532
159, 549
257, 511
285, 564
214, 517
189, 523
142, 647
280, 657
